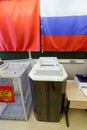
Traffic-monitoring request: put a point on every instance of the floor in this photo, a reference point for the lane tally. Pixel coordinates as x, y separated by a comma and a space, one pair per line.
77, 118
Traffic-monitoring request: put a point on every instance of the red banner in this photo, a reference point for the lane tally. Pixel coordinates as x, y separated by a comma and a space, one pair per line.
19, 25
6, 94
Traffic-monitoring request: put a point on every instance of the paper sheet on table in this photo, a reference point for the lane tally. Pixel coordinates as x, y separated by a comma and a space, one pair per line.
84, 90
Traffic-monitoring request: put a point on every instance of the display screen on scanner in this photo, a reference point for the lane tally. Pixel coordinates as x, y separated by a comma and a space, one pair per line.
82, 78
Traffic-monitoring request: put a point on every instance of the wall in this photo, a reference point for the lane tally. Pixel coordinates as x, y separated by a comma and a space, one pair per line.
14, 55
75, 68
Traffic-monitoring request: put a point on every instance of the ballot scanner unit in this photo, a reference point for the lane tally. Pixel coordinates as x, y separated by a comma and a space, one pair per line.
48, 83
15, 100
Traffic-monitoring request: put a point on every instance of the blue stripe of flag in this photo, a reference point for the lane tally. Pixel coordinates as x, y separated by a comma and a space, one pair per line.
61, 26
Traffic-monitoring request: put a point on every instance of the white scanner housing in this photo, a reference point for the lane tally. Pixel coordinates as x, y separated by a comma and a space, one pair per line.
80, 80
48, 69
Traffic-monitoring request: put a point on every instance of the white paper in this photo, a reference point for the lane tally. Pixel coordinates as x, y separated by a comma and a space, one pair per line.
84, 90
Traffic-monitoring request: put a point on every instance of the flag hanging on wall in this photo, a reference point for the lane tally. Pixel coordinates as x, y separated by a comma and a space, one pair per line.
63, 25
19, 25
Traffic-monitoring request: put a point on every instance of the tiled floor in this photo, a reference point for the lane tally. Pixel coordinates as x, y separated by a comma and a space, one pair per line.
77, 118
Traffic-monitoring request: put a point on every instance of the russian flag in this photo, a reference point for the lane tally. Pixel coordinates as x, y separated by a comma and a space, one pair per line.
63, 25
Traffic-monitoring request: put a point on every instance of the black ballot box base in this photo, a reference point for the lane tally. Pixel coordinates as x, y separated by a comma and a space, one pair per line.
48, 100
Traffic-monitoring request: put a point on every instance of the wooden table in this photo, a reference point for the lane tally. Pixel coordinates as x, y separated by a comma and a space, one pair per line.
75, 98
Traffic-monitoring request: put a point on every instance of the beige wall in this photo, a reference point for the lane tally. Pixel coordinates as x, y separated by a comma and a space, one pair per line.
75, 68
